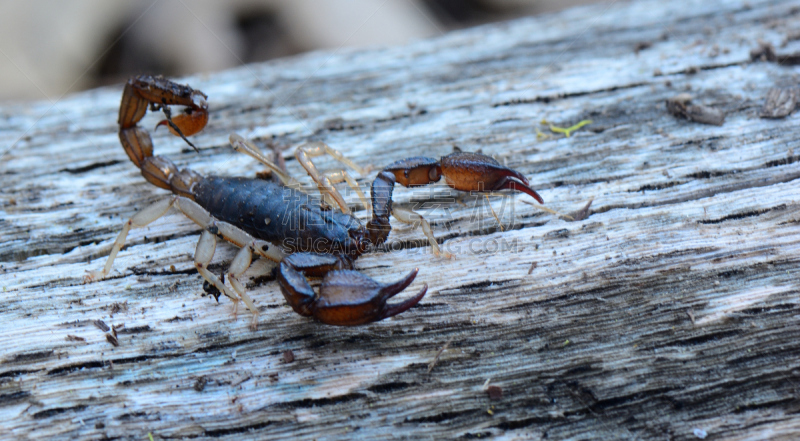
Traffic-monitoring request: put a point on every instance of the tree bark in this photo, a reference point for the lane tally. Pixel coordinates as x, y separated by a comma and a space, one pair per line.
668, 310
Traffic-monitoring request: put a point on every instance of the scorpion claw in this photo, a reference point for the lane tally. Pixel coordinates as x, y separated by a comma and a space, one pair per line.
393, 310
477, 172
346, 297
511, 184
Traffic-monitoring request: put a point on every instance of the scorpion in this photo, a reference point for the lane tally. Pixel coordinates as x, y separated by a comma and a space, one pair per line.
274, 220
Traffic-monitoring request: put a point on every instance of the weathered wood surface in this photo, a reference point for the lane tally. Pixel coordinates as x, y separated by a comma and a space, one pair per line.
670, 312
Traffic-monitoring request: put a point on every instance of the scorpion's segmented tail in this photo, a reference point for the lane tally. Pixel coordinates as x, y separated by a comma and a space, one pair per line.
158, 93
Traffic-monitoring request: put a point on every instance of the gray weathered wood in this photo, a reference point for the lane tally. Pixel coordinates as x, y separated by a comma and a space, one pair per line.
670, 312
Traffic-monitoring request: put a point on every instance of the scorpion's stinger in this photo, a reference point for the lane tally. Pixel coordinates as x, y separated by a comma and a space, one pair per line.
175, 130
143, 91
157, 92
186, 124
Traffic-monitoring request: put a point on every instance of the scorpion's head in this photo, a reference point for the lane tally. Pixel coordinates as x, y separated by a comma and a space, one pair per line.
334, 232
361, 242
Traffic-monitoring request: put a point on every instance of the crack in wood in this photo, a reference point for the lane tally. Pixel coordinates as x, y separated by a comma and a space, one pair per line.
90, 167
744, 215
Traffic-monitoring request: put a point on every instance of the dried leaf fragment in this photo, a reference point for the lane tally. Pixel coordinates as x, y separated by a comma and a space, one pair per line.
680, 106
780, 102
101, 325
200, 384
583, 213
495, 392
642, 45
118, 307
766, 52
113, 340
439, 354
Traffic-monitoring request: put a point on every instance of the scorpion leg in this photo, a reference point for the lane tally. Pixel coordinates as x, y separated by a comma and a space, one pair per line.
205, 246
303, 154
325, 181
230, 233
412, 218
140, 219
242, 145
342, 176
241, 262
202, 257
346, 297
239, 265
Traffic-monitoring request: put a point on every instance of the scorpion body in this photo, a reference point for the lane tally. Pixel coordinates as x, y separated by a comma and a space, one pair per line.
281, 215
272, 219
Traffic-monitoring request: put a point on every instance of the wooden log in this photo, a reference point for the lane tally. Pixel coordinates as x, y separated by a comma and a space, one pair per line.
669, 311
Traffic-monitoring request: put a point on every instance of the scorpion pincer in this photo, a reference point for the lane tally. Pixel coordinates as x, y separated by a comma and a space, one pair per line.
275, 220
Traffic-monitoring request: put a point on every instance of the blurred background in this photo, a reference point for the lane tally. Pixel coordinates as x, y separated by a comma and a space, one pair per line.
49, 48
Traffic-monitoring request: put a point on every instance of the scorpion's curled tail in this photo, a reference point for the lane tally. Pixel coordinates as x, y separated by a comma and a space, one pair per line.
158, 93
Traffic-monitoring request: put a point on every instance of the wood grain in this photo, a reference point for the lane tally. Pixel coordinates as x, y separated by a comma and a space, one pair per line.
671, 311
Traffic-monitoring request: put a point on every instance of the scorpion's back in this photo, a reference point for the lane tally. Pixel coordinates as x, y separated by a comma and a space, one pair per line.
281, 215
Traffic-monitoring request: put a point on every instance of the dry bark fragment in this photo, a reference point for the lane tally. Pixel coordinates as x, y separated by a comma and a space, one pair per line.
680, 106
101, 325
495, 392
780, 102
113, 340
766, 52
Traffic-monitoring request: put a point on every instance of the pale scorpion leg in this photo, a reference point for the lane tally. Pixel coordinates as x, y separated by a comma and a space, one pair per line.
230, 233
240, 264
410, 217
205, 246
242, 145
325, 181
140, 219
343, 176
202, 257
